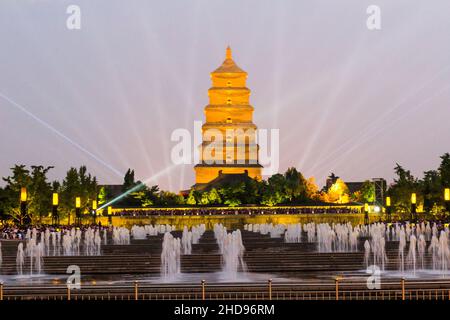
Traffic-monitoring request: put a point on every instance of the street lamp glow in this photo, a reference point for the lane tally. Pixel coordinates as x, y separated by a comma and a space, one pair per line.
447, 194
55, 200
23, 194
388, 201
413, 198
77, 202
377, 209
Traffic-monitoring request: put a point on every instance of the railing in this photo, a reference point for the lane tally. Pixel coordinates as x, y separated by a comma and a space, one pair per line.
340, 290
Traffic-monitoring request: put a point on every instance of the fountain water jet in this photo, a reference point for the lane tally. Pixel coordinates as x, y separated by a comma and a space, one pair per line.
20, 259
232, 250
366, 253
433, 248
233, 253
293, 233
401, 249
170, 257
443, 251
38, 257
411, 257
186, 241
421, 248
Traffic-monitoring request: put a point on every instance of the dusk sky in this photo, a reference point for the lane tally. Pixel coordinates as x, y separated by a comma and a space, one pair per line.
346, 99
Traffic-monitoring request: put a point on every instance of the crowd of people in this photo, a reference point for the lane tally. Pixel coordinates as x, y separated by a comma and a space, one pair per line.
232, 211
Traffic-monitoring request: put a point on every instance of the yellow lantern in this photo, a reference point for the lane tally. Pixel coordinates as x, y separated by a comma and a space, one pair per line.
447, 194
23, 194
413, 198
388, 201
109, 211
94, 205
55, 199
77, 202
366, 207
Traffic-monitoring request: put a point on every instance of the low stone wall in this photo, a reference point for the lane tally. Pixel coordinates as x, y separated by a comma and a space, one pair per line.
234, 221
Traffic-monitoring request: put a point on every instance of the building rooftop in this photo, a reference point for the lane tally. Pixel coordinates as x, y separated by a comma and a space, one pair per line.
223, 180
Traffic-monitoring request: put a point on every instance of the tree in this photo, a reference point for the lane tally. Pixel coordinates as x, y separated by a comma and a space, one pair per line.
40, 193
338, 192
233, 202
367, 192
56, 186
214, 197
70, 189
444, 170
312, 190
20, 178
253, 192
273, 191
204, 200
272, 198
277, 183
356, 196
402, 188
431, 188
295, 185
144, 196
191, 200
104, 195
128, 180
88, 186
233, 194
139, 192
168, 198
3, 199
77, 183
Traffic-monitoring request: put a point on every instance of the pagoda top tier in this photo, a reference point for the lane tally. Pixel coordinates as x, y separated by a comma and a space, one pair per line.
229, 66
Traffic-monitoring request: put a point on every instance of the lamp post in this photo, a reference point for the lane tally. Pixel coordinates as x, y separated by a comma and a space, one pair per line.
55, 203
388, 208
23, 206
109, 215
414, 206
78, 211
366, 213
94, 210
447, 200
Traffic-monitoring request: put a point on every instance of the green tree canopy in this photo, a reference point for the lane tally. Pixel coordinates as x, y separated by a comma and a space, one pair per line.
368, 192
431, 188
402, 188
444, 170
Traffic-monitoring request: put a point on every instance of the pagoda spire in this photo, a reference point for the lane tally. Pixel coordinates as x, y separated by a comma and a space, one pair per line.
228, 54
228, 65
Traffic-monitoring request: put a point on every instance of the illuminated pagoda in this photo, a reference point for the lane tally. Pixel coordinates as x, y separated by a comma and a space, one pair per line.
229, 147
